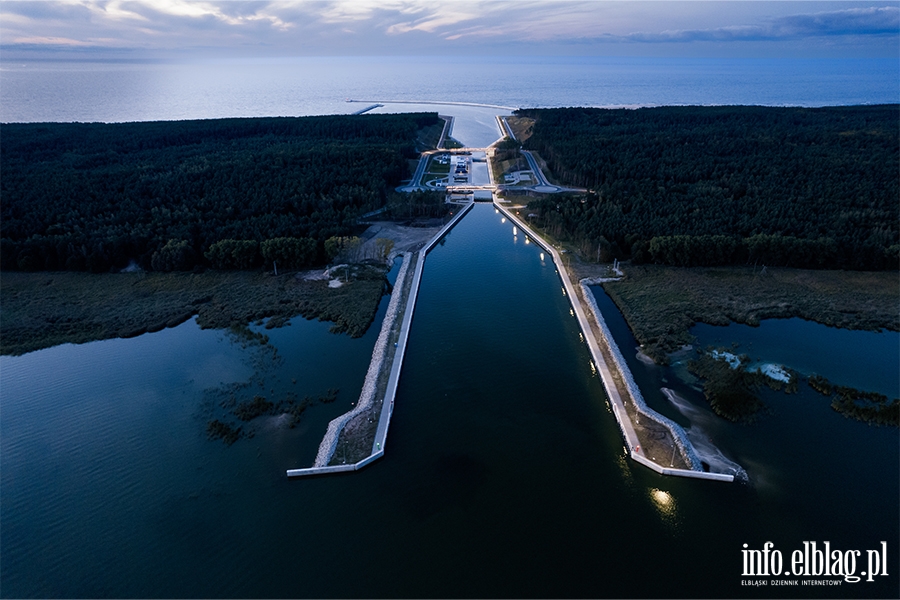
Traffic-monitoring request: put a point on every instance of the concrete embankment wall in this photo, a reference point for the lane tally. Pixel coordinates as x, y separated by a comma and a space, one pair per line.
367, 396
678, 434
612, 392
387, 407
329, 442
447, 133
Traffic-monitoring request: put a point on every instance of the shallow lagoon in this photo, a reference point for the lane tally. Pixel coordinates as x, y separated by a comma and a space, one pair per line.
866, 360
802, 457
106, 465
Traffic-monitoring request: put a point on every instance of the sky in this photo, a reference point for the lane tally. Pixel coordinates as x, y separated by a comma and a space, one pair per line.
183, 30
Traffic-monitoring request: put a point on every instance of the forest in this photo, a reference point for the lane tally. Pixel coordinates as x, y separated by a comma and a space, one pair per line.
183, 195
706, 186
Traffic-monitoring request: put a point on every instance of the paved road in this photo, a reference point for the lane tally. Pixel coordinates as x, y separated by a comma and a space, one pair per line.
536, 169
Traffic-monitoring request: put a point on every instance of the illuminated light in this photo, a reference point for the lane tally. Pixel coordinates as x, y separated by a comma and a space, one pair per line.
662, 498
665, 504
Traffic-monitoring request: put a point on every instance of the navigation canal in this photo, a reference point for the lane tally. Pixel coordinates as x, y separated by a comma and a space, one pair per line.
504, 475
510, 473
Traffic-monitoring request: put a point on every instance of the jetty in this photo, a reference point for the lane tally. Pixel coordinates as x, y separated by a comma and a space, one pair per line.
640, 425
376, 401
438, 102
367, 109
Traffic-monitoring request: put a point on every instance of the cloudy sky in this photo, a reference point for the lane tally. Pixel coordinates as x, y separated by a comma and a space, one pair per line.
184, 29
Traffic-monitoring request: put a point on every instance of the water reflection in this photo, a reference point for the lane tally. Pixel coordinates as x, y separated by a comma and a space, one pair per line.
665, 504
664, 501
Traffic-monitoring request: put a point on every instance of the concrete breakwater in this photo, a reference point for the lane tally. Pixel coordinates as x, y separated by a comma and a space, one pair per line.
678, 434
367, 396
628, 428
381, 355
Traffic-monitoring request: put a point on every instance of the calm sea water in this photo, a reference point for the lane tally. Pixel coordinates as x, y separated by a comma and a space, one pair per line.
306, 86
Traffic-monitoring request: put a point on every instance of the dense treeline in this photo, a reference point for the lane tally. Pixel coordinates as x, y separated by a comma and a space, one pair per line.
166, 195
691, 186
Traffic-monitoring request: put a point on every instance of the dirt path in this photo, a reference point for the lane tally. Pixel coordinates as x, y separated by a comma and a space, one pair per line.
406, 239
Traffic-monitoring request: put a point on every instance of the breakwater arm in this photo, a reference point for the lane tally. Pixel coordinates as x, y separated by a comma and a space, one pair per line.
375, 402
366, 109
379, 355
438, 102
638, 423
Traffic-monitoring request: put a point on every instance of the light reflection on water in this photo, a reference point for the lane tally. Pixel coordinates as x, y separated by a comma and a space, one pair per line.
666, 506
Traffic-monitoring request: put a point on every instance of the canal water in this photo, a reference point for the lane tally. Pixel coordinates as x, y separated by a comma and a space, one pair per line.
504, 474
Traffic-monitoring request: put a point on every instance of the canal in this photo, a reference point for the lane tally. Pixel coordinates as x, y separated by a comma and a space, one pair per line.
504, 474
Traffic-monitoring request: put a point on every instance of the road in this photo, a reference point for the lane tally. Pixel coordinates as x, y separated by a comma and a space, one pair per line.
542, 185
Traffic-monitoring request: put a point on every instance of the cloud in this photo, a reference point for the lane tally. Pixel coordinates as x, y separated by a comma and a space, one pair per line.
870, 21
298, 27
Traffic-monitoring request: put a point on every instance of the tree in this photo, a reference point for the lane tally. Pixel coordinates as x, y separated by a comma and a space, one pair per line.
345, 247
176, 255
384, 246
289, 252
233, 254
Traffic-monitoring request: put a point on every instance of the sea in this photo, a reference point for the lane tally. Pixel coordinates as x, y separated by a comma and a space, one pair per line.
134, 91
504, 474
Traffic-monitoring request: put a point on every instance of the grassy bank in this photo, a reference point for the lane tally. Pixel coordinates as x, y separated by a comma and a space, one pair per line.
661, 303
40, 310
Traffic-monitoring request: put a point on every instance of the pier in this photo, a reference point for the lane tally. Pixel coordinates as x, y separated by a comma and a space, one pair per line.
438, 102
626, 414
382, 361
367, 109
